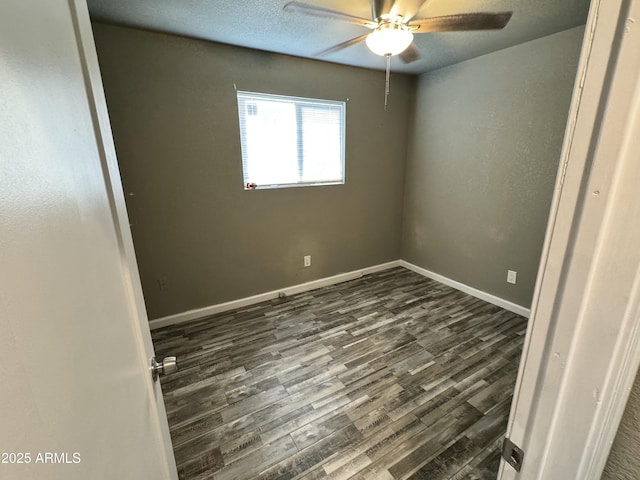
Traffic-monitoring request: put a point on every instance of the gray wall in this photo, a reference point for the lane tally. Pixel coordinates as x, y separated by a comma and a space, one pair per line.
174, 119
482, 160
624, 461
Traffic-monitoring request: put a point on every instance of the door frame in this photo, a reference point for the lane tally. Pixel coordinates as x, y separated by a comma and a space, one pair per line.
582, 349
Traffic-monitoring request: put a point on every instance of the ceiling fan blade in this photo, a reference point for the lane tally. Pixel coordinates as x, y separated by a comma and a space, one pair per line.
326, 13
380, 7
462, 22
343, 45
411, 54
406, 8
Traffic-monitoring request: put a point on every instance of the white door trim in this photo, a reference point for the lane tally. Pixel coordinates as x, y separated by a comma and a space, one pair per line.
582, 348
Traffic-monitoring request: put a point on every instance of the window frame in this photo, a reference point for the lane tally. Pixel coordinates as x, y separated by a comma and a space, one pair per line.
298, 103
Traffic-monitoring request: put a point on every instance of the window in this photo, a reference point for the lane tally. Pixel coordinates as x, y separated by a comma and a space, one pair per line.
291, 141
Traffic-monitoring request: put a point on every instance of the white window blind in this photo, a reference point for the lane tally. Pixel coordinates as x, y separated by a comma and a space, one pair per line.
290, 141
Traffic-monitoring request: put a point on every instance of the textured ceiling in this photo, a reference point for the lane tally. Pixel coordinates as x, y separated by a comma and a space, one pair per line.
263, 24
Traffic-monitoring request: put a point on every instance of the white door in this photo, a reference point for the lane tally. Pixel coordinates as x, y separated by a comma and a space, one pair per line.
77, 401
583, 345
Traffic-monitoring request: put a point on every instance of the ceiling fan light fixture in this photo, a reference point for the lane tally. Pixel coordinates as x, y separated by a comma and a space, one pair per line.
389, 39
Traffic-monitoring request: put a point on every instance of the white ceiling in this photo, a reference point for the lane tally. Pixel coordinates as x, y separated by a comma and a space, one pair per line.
263, 24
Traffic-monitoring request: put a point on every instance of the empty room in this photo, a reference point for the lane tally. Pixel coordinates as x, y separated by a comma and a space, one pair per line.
386, 376
326, 229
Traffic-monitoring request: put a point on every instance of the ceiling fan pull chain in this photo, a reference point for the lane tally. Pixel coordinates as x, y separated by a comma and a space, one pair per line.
387, 81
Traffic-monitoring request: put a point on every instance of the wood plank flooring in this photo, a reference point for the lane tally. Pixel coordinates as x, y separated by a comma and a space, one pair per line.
390, 376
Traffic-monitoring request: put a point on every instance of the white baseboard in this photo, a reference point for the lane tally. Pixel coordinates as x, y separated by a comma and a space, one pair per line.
243, 302
487, 297
323, 282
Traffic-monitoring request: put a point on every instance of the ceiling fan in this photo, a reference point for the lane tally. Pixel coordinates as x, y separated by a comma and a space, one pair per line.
393, 27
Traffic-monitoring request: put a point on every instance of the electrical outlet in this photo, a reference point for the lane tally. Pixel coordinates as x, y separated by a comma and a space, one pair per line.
307, 260
511, 276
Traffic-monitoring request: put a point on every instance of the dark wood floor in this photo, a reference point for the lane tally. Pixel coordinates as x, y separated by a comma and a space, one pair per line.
390, 376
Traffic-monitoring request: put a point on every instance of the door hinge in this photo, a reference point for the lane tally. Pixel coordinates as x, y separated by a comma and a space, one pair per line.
512, 454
